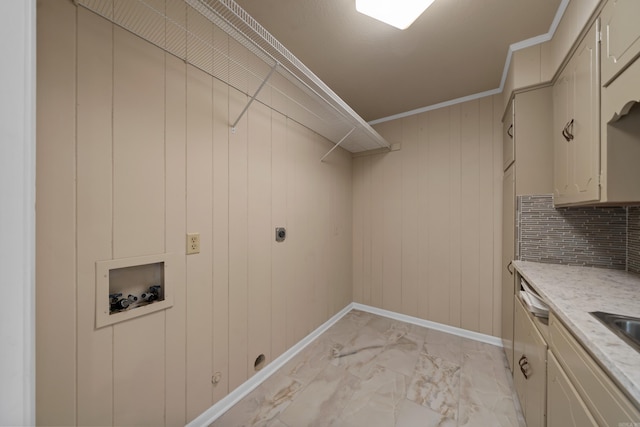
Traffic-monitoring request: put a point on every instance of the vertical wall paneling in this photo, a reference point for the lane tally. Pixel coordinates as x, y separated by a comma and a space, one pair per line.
294, 233
439, 221
139, 371
305, 176
486, 213
389, 218
377, 229
497, 215
280, 251
138, 220
470, 216
198, 212
221, 237
259, 233
296, 295
367, 218
55, 199
314, 230
392, 255
134, 151
358, 229
138, 147
176, 223
238, 240
432, 207
322, 230
410, 218
340, 244
94, 210
456, 205
423, 214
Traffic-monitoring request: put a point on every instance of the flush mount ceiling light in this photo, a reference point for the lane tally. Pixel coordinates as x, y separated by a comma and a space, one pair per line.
399, 13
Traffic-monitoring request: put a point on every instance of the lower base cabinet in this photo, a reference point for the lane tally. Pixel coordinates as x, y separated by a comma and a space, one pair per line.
604, 401
529, 367
565, 408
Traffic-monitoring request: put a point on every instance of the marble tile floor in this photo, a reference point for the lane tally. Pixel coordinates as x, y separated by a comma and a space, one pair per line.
368, 370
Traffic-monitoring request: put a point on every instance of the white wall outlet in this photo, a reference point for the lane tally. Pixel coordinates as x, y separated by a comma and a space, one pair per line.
193, 243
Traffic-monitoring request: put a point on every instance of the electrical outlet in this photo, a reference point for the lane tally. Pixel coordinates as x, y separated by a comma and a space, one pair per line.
193, 243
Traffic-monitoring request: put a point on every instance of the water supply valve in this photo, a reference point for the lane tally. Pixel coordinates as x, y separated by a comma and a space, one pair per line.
152, 294
117, 303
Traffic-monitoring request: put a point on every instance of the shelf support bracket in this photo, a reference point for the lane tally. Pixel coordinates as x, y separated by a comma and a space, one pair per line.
246, 107
338, 144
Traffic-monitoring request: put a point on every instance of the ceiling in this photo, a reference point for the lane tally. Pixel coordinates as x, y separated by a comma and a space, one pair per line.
455, 49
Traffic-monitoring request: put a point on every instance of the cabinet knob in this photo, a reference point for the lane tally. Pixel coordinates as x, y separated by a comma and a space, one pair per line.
510, 131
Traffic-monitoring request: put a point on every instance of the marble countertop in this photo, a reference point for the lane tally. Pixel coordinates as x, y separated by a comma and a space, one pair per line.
573, 292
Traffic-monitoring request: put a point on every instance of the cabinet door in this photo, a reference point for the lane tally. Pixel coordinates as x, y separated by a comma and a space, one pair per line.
508, 254
576, 96
585, 146
565, 408
620, 37
530, 371
561, 117
508, 133
536, 356
533, 125
520, 332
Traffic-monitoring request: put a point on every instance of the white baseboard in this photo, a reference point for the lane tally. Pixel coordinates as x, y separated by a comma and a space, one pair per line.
476, 336
222, 406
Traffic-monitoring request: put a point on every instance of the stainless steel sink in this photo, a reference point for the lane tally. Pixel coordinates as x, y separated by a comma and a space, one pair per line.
627, 328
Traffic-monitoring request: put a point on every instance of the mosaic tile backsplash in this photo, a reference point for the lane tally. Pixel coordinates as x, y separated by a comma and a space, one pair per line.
633, 242
607, 237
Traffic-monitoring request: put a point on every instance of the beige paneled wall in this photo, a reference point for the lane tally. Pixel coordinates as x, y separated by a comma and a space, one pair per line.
427, 217
134, 151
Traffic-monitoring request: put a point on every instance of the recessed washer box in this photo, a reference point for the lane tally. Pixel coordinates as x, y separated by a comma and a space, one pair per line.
127, 288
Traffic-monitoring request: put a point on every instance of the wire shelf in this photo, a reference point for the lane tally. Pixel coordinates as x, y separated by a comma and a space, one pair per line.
223, 40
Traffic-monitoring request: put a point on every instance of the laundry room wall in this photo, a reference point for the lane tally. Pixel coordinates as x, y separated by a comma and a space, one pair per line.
134, 151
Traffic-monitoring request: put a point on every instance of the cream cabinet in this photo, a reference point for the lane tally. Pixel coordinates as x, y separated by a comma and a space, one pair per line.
576, 110
508, 254
620, 137
528, 159
605, 402
596, 128
620, 37
565, 407
530, 370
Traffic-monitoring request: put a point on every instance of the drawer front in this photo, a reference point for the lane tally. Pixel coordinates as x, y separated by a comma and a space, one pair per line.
565, 408
608, 405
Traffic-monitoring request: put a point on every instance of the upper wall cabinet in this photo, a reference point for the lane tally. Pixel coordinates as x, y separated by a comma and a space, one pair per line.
620, 137
620, 37
597, 128
576, 105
